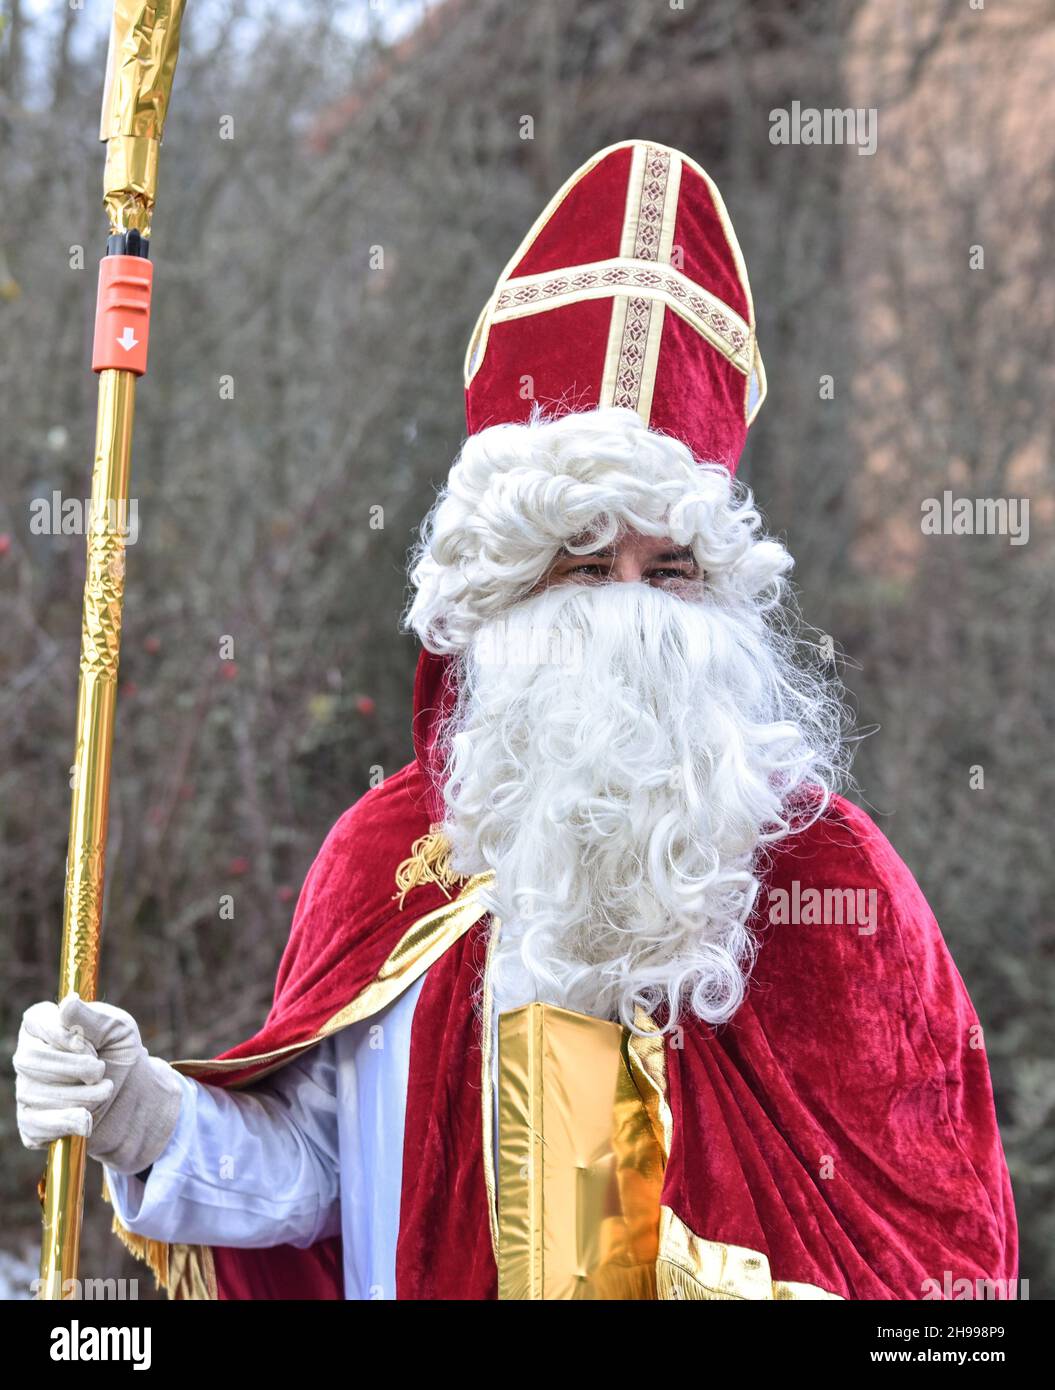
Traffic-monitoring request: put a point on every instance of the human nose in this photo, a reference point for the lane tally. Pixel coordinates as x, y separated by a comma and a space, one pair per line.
626, 569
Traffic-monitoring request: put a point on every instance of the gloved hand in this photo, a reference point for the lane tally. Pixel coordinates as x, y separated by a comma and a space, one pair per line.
82, 1069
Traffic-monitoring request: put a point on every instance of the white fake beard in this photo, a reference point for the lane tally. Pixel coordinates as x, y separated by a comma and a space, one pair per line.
619, 757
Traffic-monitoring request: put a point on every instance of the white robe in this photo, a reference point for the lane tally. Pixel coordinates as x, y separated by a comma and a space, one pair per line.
313, 1149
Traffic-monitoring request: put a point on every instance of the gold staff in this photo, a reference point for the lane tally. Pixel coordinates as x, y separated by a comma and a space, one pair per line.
144, 43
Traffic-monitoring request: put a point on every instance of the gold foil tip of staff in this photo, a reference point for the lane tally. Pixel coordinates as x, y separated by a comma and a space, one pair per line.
140, 65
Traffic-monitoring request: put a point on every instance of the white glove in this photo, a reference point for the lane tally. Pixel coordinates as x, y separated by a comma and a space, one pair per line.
82, 1069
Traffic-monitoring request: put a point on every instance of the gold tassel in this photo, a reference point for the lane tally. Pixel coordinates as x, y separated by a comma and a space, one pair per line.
429, 862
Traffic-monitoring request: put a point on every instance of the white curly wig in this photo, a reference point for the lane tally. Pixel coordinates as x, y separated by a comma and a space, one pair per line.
625, 805
519, 493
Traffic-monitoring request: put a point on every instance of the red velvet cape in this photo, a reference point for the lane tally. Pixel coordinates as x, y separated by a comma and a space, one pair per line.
842, 1123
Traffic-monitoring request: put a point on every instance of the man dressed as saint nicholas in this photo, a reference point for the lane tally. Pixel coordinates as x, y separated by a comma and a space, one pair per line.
624, 806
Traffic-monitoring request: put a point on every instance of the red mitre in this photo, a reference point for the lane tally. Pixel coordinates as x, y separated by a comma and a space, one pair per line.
630, 290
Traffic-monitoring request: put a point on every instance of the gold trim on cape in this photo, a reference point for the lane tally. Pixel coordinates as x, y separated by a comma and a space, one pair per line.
187, 1271
647, 1059
695, 1269
689, 1267
487, 1106
418, 948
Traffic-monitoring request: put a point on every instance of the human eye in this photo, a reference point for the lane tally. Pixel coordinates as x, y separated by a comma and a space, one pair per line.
589, 570
681, 569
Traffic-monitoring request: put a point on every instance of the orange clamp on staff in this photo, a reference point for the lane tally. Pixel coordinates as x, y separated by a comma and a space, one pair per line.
122, 314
